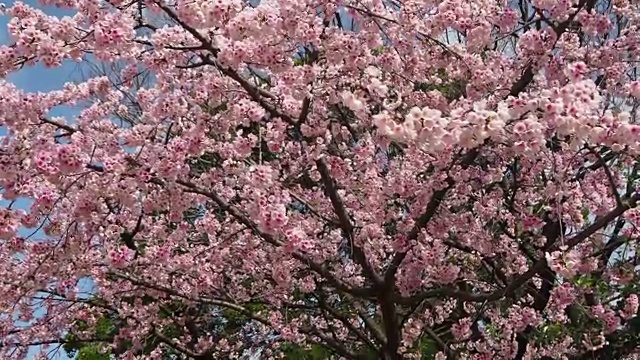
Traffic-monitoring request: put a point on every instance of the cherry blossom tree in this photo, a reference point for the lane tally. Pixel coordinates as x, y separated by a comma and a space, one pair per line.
358, 179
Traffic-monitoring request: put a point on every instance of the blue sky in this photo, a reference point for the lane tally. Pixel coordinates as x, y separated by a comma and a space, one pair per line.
35, 79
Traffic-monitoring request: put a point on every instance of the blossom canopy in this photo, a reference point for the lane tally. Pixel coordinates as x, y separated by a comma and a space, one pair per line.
352, 179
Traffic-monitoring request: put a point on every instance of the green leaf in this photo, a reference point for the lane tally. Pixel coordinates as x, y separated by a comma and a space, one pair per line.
378, 51
585, 213
92, 352
428, 349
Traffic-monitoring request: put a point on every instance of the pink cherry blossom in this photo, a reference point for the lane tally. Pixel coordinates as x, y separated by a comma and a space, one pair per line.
378, 179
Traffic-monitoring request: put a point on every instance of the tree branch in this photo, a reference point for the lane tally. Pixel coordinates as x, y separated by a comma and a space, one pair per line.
345, 222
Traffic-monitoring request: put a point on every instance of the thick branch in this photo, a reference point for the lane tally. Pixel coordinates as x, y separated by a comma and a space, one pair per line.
552, 231
345, 222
